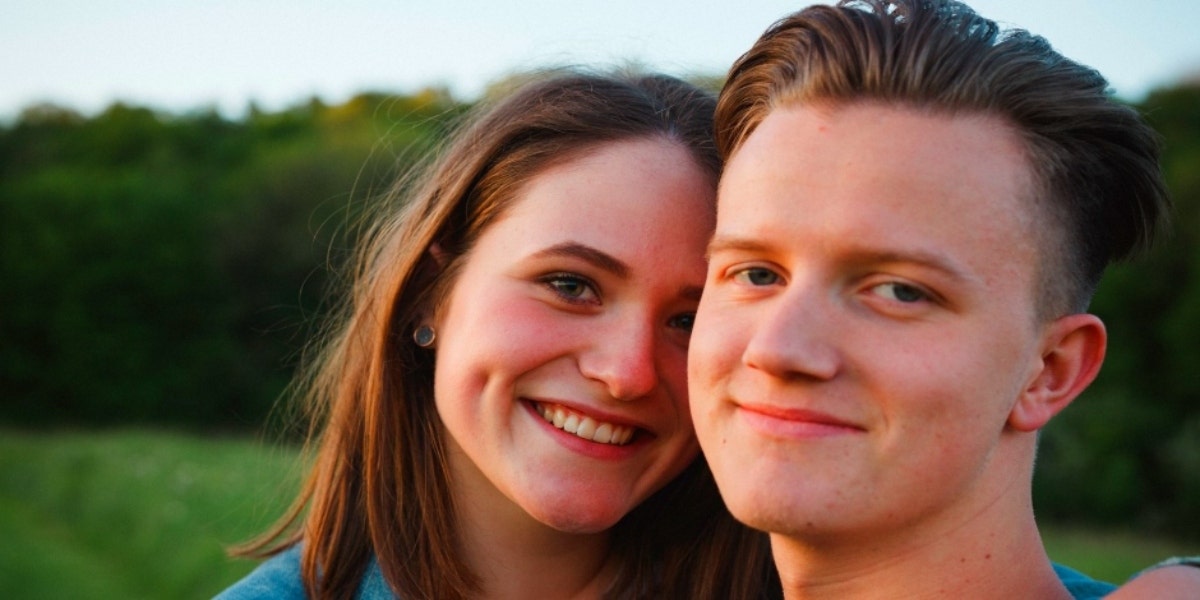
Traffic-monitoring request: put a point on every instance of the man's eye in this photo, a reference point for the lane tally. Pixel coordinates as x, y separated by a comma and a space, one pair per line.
900, 292
757, 276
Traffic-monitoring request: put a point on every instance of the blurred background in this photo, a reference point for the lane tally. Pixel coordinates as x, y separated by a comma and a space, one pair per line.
179, 183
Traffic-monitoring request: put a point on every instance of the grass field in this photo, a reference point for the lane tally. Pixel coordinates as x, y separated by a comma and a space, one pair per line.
132, 514
145, 514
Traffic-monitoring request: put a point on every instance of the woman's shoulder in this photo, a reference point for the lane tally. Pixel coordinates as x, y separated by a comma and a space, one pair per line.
277, 578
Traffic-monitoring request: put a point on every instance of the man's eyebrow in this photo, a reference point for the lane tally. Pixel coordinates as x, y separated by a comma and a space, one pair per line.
929, 260
724, 243
588, 254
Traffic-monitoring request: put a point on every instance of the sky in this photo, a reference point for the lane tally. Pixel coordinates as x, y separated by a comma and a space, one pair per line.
178, 56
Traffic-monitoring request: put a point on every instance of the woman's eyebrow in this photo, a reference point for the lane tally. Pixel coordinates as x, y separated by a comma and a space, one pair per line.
588, 254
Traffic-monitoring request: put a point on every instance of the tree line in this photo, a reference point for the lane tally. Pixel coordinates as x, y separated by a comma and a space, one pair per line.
168, 269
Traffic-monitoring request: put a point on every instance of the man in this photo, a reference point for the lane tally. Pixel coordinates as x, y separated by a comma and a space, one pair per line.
916, 209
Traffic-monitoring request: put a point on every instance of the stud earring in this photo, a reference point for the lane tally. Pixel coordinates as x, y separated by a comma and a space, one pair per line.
424, 336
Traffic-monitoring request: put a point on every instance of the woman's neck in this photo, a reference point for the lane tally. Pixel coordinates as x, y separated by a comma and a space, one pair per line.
516, 556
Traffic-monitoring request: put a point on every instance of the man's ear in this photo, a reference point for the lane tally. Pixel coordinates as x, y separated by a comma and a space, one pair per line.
1072, 352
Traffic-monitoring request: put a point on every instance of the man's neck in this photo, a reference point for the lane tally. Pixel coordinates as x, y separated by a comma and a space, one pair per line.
982, 558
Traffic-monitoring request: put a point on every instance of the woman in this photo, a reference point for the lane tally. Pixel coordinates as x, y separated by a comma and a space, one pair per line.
549, 267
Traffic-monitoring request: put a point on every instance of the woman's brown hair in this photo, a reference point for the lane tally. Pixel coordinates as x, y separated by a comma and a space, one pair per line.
380, 482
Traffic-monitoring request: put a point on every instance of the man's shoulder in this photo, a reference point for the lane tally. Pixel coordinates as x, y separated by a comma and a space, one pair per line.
1081, 586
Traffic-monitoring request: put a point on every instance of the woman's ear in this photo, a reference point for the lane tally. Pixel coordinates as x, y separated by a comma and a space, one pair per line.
1072, 352
439, 256
429, 266
432, 266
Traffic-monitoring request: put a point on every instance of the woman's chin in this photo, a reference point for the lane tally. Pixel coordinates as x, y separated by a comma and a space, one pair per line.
582, 517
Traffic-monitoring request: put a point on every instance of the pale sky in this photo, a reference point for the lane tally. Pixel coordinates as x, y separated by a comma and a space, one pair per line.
177, 56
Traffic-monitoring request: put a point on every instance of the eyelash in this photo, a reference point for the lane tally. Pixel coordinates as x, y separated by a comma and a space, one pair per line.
743, 275
746, 275
553, 281
675, 321
896, 286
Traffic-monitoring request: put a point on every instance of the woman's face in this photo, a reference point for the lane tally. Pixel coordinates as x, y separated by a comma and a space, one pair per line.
561, 352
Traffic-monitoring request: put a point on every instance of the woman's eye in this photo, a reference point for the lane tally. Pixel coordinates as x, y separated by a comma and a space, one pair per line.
757, 276
900, 292
572, 288
683, 321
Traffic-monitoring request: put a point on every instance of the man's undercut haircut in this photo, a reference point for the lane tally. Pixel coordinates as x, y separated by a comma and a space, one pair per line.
1098, 188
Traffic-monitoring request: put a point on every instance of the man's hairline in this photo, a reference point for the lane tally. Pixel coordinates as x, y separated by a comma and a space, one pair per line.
1041, 220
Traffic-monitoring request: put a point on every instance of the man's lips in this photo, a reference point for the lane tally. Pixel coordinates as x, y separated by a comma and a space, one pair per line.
797, 421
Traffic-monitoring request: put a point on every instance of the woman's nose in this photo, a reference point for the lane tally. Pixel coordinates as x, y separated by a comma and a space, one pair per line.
624, 359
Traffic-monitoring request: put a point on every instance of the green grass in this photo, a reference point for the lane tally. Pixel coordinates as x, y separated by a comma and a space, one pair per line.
144, 514
132, 514
1109, 555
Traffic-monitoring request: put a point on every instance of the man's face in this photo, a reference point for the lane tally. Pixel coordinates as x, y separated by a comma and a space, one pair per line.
868, 320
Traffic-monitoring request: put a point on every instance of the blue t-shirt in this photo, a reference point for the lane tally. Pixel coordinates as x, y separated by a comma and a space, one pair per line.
279, 579
1081, 586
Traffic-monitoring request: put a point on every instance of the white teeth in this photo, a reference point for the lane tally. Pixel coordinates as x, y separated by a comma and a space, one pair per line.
603, 434
585, 427
572, 424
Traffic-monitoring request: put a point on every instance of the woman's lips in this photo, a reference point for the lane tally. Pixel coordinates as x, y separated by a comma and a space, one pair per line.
584, 426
